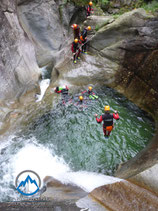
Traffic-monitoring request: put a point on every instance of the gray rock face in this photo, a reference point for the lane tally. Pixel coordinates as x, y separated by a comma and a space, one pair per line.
131, 42
18, 68
48, 25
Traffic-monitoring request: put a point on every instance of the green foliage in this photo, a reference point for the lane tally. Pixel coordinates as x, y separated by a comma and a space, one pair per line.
115, 16
104, 2
151, 7
97, 27
80, 2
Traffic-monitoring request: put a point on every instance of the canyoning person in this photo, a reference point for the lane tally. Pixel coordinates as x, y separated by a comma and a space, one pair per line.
107, 118
81, 103
80, 99
90, 93
83, 39
62, 89
76, 50
76, 30
89, 8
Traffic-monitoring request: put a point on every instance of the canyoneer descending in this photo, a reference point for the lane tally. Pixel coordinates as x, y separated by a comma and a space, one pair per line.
76, 50
89, 8
90, 93
76, 30
84, 40
107, 118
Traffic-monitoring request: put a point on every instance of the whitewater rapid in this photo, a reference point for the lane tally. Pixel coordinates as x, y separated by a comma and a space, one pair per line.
33, 156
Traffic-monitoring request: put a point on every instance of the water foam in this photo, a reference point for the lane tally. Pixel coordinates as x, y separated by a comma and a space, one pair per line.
36, 157
44, 84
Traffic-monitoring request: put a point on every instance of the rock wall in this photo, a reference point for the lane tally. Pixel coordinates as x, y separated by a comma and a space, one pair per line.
124, 195
132, 42
18, 68
48, 25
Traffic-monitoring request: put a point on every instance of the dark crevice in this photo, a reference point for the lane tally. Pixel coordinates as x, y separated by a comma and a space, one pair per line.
9, 11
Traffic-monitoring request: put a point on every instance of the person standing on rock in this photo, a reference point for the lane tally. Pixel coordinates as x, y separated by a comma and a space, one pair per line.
89, 8
83, 39
76, 30
107, 118
76, 50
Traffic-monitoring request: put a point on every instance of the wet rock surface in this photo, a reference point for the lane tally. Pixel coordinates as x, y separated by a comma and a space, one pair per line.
57, 191
18, 68
125, 196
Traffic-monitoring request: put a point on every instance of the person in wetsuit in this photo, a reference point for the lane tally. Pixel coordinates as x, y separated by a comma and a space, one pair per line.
107, 118
89, 8
76, 30
83, 39
75, 50
62, 89
90, 93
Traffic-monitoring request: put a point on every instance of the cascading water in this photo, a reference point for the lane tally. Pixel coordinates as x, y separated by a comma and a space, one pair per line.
44, 83
69, 145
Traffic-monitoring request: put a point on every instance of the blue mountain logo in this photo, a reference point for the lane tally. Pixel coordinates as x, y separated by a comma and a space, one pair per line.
26, 182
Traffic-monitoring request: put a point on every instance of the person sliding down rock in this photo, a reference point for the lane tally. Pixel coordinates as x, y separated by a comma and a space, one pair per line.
89, 8
83, 39
76, 50
107, 118
90, 93
76, 30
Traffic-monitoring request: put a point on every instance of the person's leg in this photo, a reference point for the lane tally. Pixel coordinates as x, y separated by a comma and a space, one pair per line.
88, 14
106, 132
74, 58
82, 47
85, 47
78, 54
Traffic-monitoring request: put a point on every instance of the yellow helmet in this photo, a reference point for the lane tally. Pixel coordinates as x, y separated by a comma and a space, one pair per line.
80, 98
76, 40
74, 26
90, 88
89, 28
90, 3
107, 108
